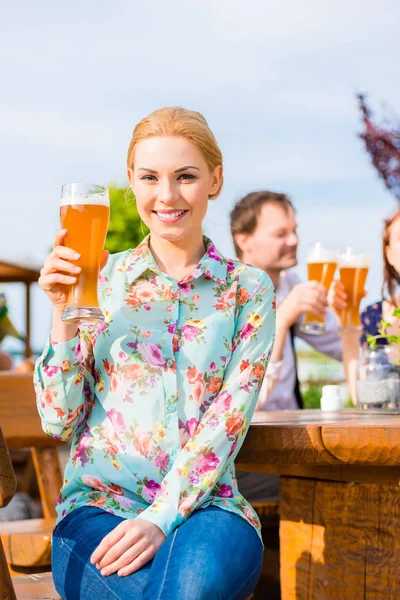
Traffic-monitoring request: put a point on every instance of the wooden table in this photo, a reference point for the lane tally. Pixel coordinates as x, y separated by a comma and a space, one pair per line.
340, 500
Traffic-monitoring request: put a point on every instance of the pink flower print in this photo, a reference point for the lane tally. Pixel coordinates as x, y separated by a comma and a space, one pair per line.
222, 402
247, 331
213, 366
213, 422
194, 478
115, 489
185, 288
122, 355
195, 298
146, 333
225, 491
124, 502
230, 267
151, 354
50, 371
233, 448
94, 483
117, 420
172, 328
226, 299
198, 393
212, 253
189, 332
205, 463
251, 516
150, 490
143, 441
101, 327
162, 460
186, 504
191, 425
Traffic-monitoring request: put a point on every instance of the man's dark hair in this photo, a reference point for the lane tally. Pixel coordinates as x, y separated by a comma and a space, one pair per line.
245, 213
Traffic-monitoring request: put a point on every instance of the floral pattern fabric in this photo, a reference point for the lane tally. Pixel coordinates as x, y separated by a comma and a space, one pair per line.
158, 399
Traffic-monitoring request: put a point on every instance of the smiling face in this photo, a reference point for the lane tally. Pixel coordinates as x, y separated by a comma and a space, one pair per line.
172, 184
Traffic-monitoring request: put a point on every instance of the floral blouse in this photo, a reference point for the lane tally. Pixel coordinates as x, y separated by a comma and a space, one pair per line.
158, 399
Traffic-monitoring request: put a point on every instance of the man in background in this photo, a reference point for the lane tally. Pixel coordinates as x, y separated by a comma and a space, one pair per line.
264, 231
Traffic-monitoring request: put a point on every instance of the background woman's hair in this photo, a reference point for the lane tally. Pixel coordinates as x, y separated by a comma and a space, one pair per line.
245, 213
391, 277
180, 122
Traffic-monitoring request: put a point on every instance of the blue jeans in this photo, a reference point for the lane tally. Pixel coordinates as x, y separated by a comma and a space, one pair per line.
214, 555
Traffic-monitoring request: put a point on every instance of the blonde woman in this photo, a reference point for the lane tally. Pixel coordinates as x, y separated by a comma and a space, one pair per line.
158, 401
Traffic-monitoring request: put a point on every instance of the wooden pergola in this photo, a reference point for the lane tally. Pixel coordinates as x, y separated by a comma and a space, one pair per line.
26, 274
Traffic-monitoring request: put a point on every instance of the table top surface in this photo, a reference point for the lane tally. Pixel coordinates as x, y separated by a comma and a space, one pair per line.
313, 437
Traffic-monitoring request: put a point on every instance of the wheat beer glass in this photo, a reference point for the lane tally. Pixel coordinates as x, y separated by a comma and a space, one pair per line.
85, 213
321, 266
353, 268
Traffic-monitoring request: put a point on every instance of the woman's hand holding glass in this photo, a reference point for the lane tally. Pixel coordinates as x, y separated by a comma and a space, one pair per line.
128, 547
59, 272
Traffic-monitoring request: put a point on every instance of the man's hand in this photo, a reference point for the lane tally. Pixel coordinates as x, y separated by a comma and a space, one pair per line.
128, 547
310, 296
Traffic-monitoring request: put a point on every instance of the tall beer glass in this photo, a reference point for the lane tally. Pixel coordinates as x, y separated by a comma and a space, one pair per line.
85, 213
353, 267
321, 266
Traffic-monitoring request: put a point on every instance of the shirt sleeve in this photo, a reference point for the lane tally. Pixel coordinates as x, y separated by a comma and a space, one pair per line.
64, 385
223, 427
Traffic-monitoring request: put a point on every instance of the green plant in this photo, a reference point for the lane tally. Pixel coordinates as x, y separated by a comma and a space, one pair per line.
126, 229
372, 340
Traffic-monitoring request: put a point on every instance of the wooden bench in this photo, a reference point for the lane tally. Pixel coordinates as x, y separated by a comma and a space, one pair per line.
30, 587
27, 544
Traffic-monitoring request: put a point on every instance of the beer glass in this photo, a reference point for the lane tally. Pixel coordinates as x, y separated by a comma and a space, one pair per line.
353, 268
321, 266
85, 213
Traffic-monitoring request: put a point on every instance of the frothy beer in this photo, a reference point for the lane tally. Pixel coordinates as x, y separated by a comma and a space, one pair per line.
353, 275
321, 266
86, 218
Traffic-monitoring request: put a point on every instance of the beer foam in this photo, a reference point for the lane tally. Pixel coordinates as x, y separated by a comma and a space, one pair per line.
321, 254
354, 260
77, 193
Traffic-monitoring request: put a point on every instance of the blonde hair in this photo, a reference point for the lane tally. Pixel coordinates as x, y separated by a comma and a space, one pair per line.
179, 122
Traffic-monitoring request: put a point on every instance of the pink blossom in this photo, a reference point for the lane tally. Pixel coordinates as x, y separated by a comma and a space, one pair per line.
213, 366
50, 371
151, 354
150, 490
162, 460
213, 253
143, 441
117, 419
230, 267
146, 333
225, 491
189, 332
247, 331
205, 463
198, 393
186, 504
194, 478
222, 402
124, 502
233, 448
195, 297
185, 288
191, 425
94, 483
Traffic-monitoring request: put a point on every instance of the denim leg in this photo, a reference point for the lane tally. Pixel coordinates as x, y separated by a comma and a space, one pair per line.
214, 555
75, 578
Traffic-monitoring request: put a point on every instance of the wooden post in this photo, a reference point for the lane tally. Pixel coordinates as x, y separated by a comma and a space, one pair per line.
28, 320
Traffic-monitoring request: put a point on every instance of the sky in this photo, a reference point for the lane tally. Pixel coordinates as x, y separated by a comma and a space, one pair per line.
276, 82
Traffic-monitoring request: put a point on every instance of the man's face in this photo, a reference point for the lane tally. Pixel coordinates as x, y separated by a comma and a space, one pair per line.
273, 244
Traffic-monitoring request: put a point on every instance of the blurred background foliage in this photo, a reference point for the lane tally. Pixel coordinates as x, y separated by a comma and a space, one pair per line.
126, 229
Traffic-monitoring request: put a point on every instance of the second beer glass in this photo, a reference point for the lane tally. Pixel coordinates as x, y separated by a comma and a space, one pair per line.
321, 265
353, 267
85, 213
